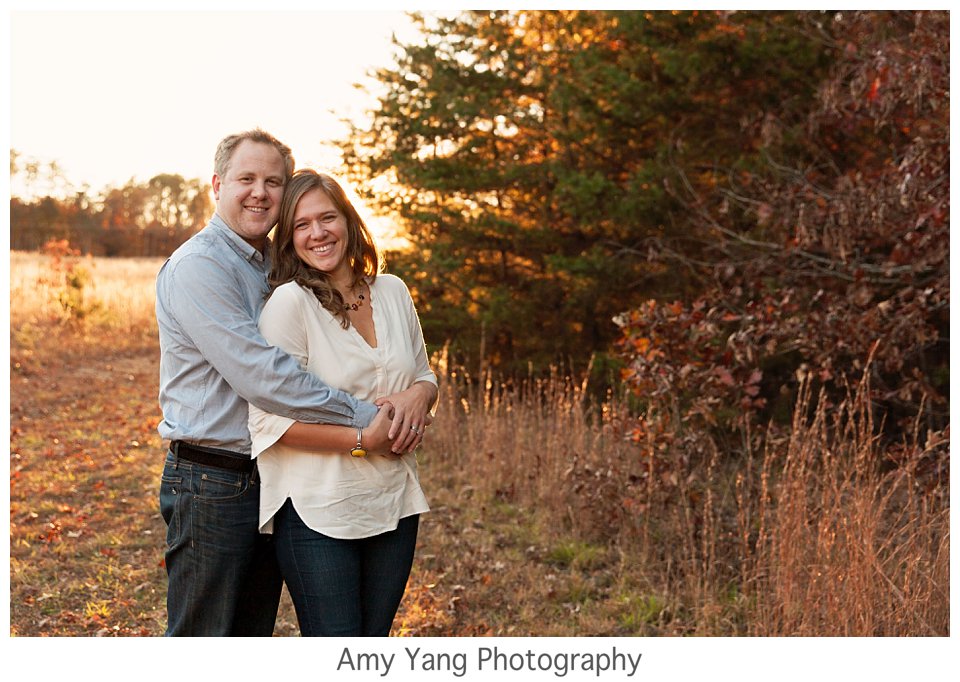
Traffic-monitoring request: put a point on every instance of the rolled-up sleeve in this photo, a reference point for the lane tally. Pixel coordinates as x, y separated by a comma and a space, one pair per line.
266, 429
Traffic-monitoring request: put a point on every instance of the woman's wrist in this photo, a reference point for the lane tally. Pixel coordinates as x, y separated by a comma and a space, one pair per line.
358, 450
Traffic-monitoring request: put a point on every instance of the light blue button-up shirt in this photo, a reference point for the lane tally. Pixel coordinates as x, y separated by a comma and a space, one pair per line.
213, 359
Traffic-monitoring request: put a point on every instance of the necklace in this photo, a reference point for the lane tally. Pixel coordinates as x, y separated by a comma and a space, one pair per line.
356, 304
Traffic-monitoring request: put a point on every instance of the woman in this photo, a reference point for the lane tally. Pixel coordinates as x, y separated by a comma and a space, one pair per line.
343, 509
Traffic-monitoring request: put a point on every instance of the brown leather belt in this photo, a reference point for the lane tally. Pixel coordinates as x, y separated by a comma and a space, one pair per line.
213, 457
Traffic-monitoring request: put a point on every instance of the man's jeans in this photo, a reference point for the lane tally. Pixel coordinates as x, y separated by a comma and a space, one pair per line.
222, 573
344, 588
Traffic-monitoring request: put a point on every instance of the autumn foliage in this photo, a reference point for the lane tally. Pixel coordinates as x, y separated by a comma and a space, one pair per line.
149, 218
833, 251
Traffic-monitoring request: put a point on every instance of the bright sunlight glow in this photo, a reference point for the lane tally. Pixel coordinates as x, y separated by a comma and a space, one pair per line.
115, 95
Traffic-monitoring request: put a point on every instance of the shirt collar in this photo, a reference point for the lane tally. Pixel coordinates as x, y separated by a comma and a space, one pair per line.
238, 243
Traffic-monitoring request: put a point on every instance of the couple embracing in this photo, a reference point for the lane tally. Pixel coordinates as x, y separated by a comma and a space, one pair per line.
295, 386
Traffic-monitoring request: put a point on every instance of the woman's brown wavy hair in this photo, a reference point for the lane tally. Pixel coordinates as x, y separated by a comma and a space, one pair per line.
286, 266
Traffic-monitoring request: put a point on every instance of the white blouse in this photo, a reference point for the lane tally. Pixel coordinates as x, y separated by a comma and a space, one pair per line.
336, 494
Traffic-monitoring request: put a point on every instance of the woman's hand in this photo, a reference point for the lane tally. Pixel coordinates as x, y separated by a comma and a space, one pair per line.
411, 415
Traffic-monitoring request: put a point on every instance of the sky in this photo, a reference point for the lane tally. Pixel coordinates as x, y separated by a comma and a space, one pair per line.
112, 95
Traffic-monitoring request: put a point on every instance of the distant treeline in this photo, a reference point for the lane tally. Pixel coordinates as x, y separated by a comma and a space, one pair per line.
139, 219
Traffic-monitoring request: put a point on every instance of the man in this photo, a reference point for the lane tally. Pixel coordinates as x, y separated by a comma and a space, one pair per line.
222, 575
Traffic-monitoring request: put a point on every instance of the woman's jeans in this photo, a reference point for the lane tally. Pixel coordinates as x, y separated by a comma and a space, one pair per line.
222, 573
344, 588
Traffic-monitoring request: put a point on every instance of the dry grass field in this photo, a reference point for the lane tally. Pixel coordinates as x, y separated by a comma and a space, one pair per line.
545, 519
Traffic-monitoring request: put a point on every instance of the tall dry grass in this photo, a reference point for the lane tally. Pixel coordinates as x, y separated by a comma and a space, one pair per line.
850, 542
818, 534
117, 293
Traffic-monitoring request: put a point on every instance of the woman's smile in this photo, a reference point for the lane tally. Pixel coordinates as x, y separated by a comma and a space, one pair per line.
320, 233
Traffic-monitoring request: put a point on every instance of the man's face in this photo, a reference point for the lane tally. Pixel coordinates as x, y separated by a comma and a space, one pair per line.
248, 195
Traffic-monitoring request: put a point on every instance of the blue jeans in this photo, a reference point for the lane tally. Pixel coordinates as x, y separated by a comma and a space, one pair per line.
222, 575
344, 588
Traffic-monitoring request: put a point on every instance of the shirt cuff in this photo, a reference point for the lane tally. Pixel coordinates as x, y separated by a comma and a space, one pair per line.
266, 429
364, 414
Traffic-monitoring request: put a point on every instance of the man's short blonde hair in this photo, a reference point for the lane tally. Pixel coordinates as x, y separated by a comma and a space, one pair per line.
229, 144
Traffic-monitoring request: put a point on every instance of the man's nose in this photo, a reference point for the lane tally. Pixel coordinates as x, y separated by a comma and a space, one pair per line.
259, 189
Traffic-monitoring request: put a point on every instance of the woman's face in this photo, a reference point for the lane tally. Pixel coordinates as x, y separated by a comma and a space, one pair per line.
320, 233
